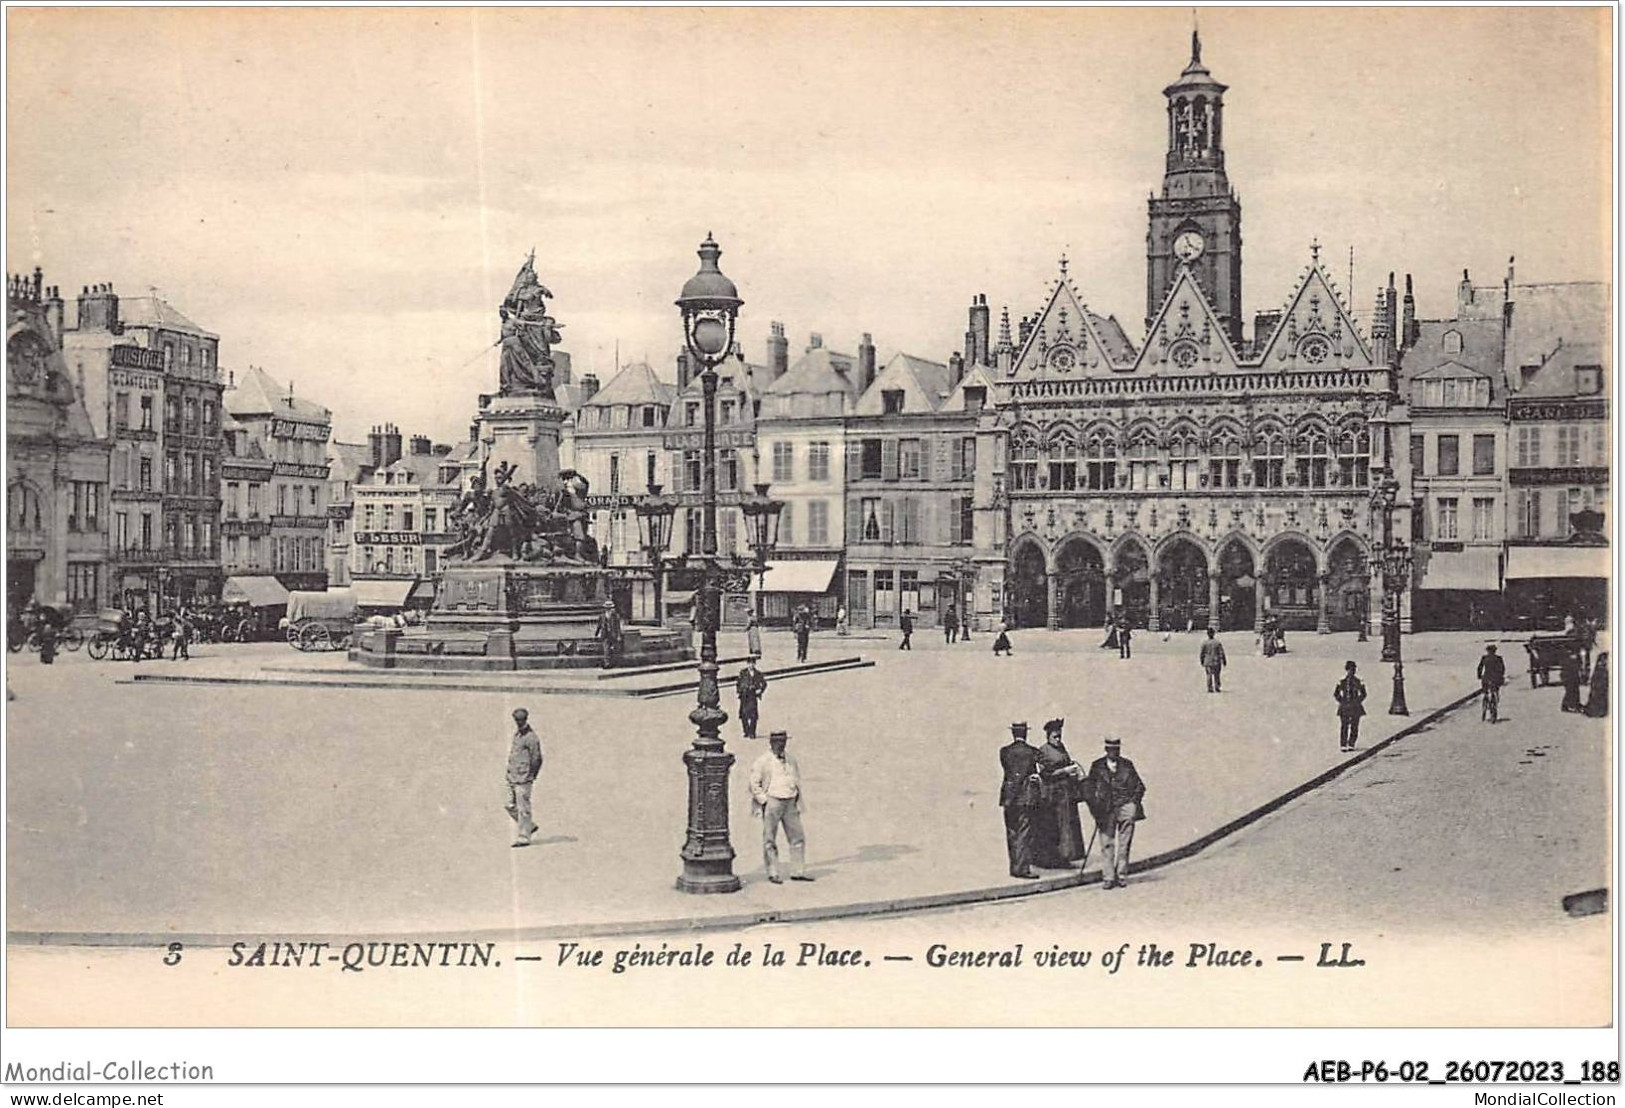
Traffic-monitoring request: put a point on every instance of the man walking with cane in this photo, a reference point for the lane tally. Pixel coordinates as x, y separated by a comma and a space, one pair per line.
1116, 794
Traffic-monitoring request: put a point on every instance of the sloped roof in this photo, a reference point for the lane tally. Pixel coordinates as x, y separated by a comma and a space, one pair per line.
979, 376
348, 461
412, 469
735, 373
820, 370
256, 392
1112, 336
1480, 352
1315, 307
924, 385
636, 385
154, 311
1555, 378
1187, 319
1568, 312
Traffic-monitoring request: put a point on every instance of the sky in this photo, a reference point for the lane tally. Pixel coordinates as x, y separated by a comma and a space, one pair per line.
344, 195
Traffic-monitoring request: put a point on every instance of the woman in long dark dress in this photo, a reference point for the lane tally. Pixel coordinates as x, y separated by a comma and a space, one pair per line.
1057, 831
1571, 681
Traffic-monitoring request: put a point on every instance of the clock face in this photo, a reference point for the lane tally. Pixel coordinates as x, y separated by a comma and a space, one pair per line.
1189, 245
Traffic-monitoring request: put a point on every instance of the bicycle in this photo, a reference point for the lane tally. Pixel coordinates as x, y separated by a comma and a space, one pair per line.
1492, 704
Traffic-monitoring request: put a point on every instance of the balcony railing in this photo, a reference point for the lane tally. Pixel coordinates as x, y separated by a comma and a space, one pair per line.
167, 555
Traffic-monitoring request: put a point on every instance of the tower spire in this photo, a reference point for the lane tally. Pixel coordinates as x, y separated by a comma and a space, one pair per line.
1196, 43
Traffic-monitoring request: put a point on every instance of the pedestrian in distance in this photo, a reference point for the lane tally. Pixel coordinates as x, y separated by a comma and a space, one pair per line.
1058, 841
1125, 636
750, 685
1001, 643
776, 796
1213, 661
609, 634
950, 623
1020, 795
46, 632
524, 765
1492, 674
906, 623
180, 636
1350, 697
1597, 702
1116, 797
753, 637
801, 624
1571, 681
840, 620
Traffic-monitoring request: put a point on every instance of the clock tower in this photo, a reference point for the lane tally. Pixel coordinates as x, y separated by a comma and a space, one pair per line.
1197, 219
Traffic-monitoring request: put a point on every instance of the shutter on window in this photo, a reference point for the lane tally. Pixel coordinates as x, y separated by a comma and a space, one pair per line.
854, 521
888, 459
886, 519
854, 459
927, 448
953, 521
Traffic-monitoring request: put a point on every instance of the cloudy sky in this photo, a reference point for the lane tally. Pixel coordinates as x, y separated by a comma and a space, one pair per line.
344, 195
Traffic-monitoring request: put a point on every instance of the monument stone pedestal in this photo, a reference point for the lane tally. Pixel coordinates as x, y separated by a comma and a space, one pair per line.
522, 429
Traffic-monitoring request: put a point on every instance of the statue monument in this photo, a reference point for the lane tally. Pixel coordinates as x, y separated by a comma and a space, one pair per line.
522, 584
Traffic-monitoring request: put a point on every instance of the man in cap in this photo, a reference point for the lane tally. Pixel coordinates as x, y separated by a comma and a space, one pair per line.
1350, 697
1492, 674
609, 633
1115, 791
1019, 794
524, 763
776, 796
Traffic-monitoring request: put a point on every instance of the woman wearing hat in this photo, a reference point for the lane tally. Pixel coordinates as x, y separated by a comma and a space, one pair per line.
1057, 832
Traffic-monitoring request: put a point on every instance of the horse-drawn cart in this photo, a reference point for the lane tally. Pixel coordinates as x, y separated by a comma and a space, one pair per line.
321, 620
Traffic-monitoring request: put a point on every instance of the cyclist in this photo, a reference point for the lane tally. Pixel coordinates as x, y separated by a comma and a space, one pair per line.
1492, 674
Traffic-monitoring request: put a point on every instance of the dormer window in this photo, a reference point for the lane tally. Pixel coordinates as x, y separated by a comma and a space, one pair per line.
893, 401
1452, 342
648, 415
1587, 380
975, 398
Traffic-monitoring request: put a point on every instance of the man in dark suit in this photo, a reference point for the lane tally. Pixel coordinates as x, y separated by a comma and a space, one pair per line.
750, 686
1019, 794
1125, 635
1350, 696
1115, 791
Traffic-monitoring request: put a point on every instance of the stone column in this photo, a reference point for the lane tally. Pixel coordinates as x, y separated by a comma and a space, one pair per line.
1152, 621
1323, 624
1052, 587
1213, 602
1260, 590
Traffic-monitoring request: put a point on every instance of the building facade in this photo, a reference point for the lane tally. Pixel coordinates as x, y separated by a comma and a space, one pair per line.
401, 523
1209, 477
292, 432
151, 376
57, 501
245, 521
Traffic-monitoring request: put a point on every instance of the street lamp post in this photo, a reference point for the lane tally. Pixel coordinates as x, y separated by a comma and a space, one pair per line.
654, 530
710, 309
761, 514
1394, 558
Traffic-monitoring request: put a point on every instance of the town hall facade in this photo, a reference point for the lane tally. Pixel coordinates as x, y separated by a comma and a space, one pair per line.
1207, 476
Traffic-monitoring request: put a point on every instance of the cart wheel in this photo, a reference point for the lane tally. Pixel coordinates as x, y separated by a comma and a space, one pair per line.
33, 643
97, 648
296, 637
316, 637
72, 639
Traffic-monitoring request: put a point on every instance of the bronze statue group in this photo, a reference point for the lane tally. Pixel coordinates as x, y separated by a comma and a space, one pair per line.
1040, 795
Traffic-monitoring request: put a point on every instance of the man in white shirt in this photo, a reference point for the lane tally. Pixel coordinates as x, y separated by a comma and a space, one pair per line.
776, 796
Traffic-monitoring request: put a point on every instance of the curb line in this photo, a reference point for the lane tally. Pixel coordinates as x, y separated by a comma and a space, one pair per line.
894, 906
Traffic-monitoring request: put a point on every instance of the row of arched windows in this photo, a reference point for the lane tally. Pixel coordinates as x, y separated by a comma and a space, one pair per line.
1312, 460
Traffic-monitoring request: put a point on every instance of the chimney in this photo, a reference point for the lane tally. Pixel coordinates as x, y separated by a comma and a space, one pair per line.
54, 312
375, 446
956, 369
421, 446
474, 432
561, 366
866, 363
778, 352
1024, 330
814, 341
442, 450
589, 386
392, 444
976, 338
1464, 295
98, 309
682, 370
1410, 330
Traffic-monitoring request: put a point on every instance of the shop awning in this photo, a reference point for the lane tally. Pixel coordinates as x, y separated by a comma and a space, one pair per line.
422, 592
1525, 562
811, 577
381, 594
260, 592
1474, 567
678, 597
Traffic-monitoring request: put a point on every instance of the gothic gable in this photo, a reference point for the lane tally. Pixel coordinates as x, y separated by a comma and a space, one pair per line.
1186, 335
1066, 341
1316, 331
